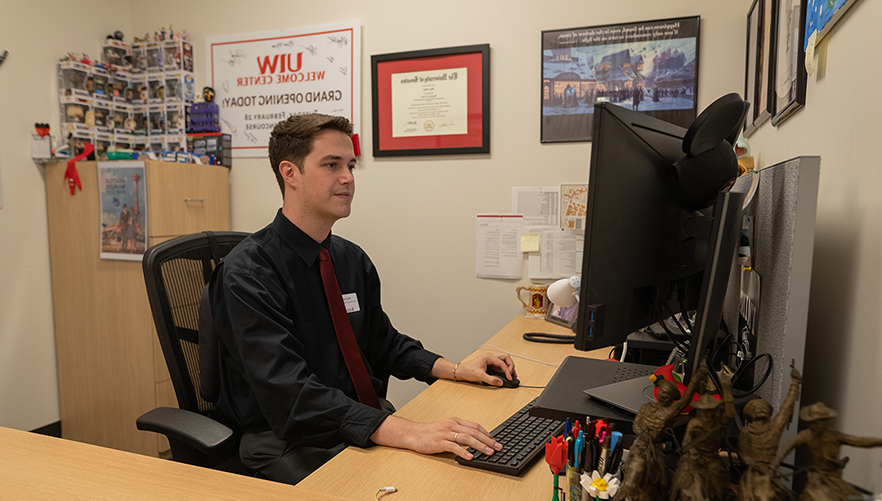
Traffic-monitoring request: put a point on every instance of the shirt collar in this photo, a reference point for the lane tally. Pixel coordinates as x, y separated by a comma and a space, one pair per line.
302, 244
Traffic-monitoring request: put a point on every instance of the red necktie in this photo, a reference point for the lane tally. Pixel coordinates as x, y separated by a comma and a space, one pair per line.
363, 387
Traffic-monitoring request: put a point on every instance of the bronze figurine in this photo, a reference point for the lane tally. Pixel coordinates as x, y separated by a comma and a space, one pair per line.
646, 478
824, 466
701, 473
758, 444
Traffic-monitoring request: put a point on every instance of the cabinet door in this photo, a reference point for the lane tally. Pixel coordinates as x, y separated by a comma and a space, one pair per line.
187, 198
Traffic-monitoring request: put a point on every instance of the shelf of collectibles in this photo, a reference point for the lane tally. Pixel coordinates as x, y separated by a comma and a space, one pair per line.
136, 98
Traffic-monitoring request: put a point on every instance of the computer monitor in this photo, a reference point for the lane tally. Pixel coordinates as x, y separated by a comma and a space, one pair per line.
645, 255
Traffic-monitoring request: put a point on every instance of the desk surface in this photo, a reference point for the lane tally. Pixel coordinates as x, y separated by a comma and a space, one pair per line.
40, 467
47, 468
357, 473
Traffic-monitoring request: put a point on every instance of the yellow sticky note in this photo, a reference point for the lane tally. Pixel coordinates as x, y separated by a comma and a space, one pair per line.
530, 242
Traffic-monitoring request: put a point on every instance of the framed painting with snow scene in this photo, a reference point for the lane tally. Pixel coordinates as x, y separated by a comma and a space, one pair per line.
650, 67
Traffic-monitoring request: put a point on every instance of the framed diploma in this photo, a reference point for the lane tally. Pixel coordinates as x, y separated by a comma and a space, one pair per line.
759, 78
791, 77
431, 102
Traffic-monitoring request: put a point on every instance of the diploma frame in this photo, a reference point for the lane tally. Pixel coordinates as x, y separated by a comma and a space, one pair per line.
476, 140
794, 51
759, 80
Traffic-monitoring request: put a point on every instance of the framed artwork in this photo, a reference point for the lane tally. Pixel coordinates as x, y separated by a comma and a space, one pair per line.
821, 16
431, 102
122, 202
650, 67
759, 77
790, 74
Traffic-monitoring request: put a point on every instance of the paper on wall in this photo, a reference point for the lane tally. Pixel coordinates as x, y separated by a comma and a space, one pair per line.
539, 205
560, 254
573, 206
497, 242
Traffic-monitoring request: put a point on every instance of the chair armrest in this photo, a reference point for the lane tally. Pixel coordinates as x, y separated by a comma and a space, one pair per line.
194, 430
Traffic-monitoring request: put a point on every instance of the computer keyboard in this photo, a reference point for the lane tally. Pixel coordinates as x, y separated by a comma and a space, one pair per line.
522, 436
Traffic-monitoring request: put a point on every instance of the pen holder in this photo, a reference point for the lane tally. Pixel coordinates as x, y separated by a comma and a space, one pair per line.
574, 480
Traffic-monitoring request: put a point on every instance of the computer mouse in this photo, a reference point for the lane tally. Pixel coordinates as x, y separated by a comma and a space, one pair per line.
514, 383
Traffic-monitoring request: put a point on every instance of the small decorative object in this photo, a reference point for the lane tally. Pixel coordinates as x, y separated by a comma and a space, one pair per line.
701, 473
646, 477
759, 442
204, 117
556, 457
600, 487
822, 452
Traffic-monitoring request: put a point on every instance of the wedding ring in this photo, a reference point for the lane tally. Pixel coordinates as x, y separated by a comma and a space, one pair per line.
454, 438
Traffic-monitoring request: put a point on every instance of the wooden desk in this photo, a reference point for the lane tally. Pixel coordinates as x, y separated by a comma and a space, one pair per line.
46, 468
357, 473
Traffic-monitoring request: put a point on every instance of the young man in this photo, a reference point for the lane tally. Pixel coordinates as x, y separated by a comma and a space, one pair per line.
285, 380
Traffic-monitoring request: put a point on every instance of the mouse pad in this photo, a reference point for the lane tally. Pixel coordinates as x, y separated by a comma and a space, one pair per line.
563, 397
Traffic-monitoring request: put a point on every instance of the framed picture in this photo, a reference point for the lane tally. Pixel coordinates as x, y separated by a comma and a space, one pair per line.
650, 67
431, 102
561, 315
821, 16
122, 201
759, 77
790, 75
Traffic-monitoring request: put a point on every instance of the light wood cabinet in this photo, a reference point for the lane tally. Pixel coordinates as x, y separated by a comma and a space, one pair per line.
110, 366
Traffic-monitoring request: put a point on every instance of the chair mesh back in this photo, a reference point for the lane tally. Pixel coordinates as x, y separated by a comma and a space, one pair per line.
175, 272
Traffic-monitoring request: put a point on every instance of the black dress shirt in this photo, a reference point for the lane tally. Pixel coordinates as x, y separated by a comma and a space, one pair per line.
280, 362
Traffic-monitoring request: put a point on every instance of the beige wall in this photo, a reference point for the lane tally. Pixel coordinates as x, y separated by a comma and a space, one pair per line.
36, 35
841, 124
415, 216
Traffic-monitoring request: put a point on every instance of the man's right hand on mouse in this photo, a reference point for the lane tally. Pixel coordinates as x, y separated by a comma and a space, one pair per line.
479, 369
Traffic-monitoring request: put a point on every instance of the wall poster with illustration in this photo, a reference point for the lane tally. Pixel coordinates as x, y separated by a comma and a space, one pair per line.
650, 67
122, 202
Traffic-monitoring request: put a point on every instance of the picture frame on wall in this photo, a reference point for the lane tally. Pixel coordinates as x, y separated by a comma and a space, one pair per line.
759, 86
650, 67
431, 102
791, 77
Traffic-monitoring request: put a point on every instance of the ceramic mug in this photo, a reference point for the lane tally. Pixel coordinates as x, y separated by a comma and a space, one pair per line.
537, 306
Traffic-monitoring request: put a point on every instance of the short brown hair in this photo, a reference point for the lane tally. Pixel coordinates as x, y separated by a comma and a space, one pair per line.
292, 139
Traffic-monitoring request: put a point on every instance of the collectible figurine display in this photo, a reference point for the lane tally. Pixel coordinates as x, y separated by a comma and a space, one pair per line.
646, 476
701, 473
822, 450
204, 116
108, 100
758, 443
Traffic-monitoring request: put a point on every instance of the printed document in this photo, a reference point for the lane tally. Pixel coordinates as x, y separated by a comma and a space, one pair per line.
539, 205
497, 242
559, 256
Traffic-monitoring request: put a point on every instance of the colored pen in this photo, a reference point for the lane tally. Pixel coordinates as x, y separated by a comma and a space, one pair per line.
603, 464
580, 442
616, 437
567, 428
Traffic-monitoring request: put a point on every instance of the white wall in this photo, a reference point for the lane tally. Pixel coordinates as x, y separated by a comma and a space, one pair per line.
841, 124
415, 216
36, 36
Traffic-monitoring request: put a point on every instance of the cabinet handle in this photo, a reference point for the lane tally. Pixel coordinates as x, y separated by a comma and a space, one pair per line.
200, 200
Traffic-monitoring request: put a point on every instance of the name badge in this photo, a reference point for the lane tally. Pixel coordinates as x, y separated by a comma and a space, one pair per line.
350, 301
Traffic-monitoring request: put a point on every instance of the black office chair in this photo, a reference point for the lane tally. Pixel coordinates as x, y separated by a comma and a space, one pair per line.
176, 273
